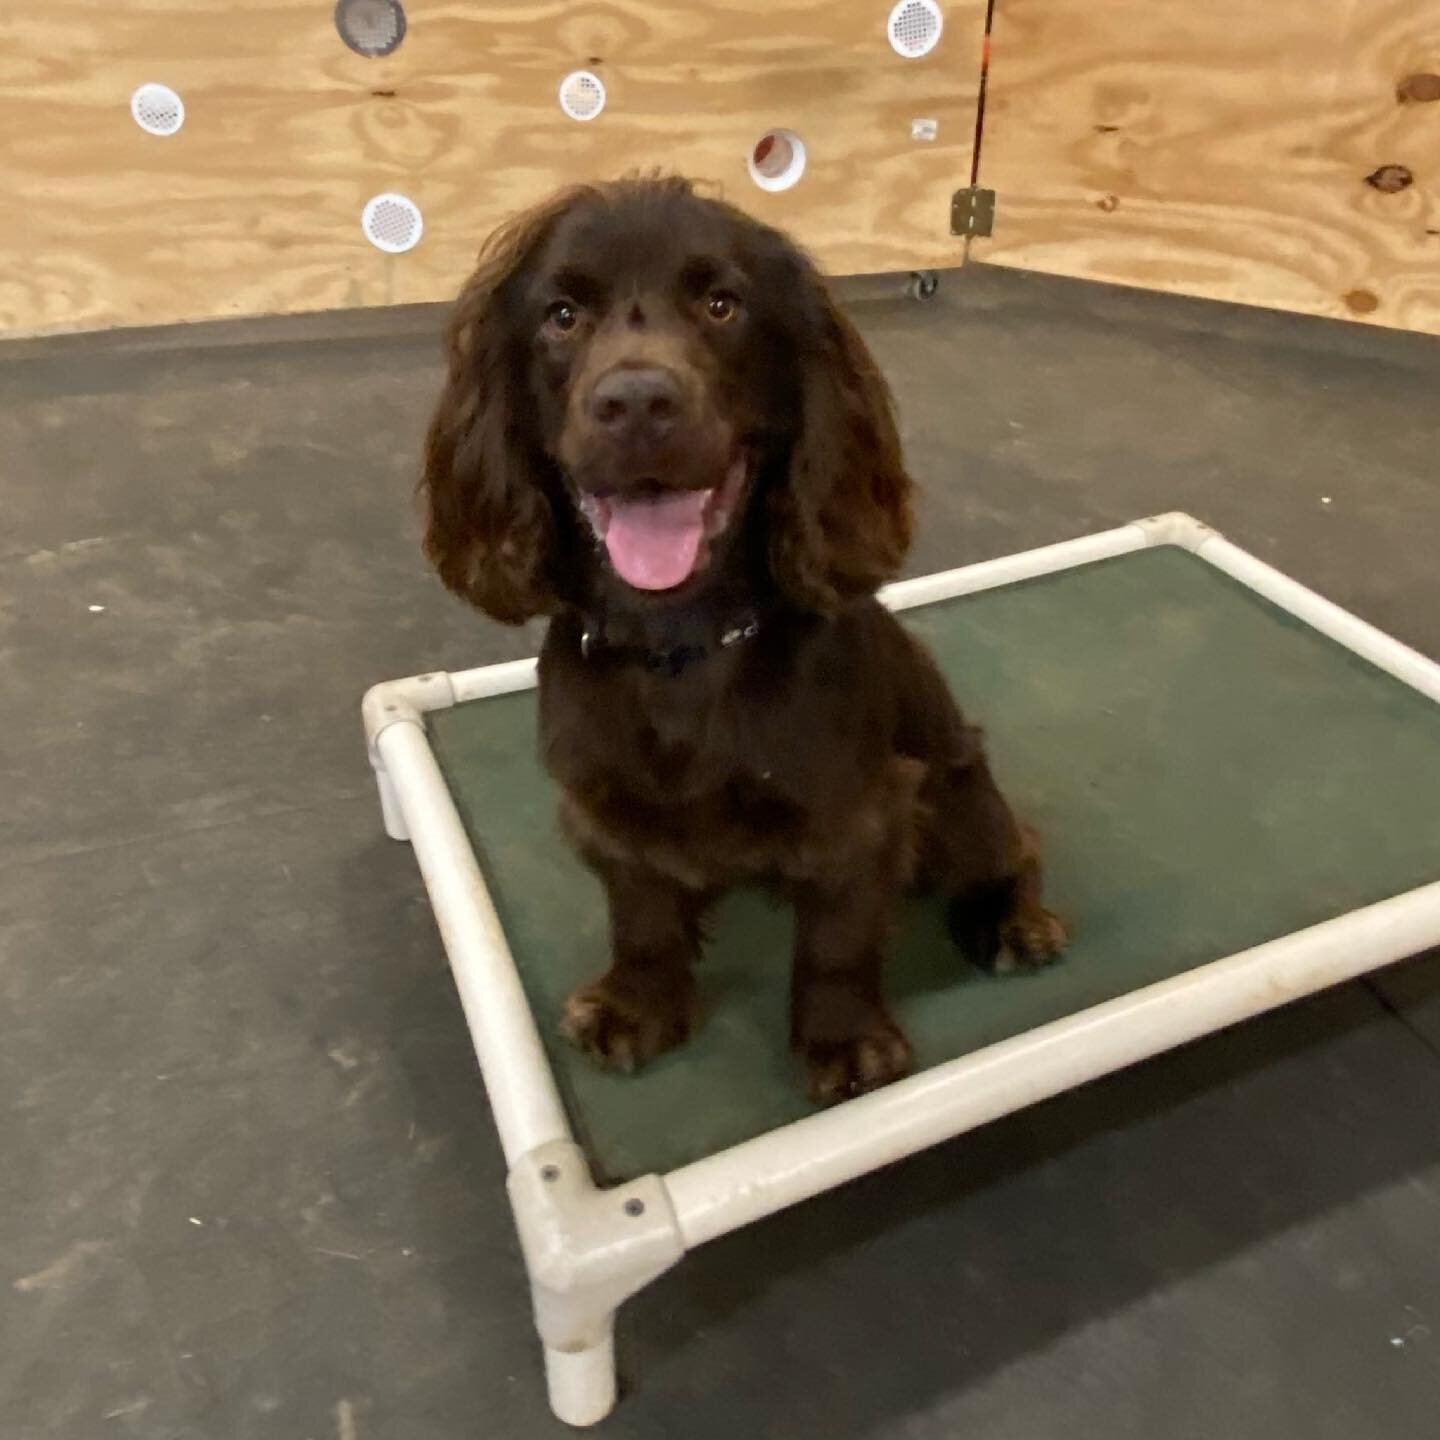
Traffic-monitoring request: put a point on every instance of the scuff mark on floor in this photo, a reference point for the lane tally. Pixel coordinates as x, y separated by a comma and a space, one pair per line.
133, 1407
70, 547
345, 1426
60, 1270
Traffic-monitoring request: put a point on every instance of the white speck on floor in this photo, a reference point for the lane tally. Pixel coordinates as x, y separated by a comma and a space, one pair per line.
133, 1407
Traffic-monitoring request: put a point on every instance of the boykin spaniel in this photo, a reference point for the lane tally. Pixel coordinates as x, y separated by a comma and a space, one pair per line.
658, 430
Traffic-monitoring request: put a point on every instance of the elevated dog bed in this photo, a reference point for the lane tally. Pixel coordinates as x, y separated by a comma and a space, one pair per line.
1239, 785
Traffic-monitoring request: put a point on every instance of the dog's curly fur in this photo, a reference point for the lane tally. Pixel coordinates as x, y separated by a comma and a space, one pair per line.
766, 720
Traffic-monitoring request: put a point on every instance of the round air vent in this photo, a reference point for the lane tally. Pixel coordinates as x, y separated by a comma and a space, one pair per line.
915, 27
778, 160
582, 95
157, 109
392, 223
370, 27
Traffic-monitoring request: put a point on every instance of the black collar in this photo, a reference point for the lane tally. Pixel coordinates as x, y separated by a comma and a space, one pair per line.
683, 640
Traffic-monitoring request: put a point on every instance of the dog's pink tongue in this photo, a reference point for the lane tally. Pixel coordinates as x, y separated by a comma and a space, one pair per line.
653, 543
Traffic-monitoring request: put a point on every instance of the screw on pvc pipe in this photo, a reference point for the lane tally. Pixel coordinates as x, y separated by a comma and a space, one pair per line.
635, 1208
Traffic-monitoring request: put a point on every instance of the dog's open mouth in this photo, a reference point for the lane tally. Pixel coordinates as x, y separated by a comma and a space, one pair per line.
656, 542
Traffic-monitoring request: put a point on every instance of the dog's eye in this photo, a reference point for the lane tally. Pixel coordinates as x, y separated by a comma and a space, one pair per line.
721, 306
562, 317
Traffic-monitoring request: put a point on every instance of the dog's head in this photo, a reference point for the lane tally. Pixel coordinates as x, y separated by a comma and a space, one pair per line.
636, 363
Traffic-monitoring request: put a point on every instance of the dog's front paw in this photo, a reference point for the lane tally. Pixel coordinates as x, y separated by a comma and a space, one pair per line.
1030, 942
846, 1057
625, 1020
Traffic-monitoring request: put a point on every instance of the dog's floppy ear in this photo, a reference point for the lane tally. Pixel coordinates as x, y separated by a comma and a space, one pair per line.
491, 529
840, 523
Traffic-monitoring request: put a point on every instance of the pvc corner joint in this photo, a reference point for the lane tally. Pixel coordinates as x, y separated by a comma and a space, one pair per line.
587, 1250
394, 702
1176, 528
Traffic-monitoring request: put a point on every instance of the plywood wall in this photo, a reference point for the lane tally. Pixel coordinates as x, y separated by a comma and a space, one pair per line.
254, 206
1223, 149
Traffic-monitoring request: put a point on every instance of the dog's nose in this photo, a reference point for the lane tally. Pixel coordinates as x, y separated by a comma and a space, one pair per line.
636, 401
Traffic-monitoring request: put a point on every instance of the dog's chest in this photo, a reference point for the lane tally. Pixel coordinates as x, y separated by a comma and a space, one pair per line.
679, 771
696, 757
702, 834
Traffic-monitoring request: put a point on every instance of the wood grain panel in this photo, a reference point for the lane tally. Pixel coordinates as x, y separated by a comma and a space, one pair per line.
1222, 150
253, 207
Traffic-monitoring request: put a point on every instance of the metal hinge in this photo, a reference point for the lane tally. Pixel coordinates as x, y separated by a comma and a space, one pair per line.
972, 211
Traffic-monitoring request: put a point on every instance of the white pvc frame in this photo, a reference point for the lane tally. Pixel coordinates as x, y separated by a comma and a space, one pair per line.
588, 1250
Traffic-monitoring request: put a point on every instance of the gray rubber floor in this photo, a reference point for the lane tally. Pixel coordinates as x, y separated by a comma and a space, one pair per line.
249, 1186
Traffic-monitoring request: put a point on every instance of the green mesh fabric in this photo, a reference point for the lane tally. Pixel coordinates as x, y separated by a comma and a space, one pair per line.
1208, 773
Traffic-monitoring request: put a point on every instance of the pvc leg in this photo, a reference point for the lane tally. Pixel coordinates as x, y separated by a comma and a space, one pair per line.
588, 1251
583, 1385
390, 811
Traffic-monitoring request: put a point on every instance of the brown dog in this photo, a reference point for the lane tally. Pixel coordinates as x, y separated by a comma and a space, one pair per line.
658, 429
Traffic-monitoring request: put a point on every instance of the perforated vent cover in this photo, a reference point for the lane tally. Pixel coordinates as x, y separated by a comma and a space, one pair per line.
370, 27
392, 223
582, 95
157, 109
915, 27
